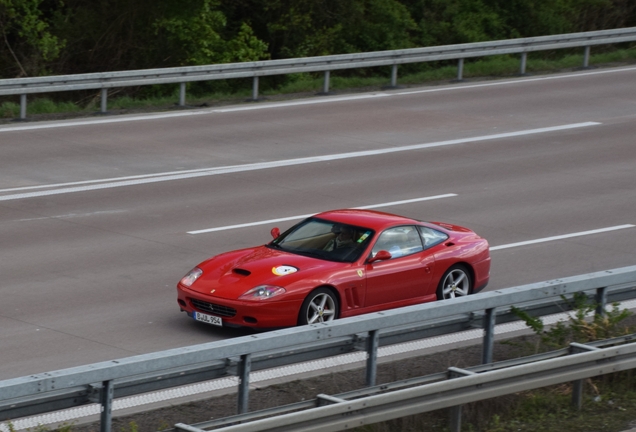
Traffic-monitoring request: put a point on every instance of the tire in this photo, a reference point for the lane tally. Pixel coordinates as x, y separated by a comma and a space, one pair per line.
456, 282
321, 305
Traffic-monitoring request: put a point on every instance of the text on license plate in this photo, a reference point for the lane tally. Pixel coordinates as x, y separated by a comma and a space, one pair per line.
209, 319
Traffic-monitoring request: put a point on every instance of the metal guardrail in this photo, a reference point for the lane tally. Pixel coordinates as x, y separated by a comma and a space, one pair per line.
427, 393
101, 382
326, 64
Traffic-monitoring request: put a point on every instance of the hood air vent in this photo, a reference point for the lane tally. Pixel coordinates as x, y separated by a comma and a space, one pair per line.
241, 271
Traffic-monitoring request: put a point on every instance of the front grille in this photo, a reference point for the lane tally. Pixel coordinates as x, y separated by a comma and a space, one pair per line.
212, 308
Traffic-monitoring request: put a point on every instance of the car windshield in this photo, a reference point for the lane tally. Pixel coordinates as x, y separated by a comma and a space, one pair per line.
324, 239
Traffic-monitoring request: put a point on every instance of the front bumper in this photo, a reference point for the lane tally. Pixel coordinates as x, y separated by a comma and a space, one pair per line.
256, 314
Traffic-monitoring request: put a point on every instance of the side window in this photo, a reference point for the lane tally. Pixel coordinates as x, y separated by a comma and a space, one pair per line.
431, 237
399, 241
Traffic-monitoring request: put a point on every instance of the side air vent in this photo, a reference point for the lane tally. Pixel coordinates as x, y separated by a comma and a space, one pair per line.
242, 272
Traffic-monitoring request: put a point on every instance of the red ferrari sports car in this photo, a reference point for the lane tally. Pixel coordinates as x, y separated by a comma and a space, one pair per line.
336, 264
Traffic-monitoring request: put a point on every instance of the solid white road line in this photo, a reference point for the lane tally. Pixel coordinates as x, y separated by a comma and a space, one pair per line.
561, 237
188, 113
264, 222
521, 81
179, 175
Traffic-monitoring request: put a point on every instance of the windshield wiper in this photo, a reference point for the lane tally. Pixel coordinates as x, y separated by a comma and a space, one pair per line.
314, 253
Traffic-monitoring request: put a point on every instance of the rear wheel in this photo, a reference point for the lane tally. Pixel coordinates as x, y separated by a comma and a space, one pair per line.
321, 305
456, 282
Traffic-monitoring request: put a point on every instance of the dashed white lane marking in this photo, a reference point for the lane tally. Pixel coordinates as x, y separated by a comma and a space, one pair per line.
291, 372
251, 107
73, 215
264, 222
561, 237
90, 185
74, 414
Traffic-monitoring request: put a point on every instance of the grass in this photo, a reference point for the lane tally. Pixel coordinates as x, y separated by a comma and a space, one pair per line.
609, 401
610, 406
417, 74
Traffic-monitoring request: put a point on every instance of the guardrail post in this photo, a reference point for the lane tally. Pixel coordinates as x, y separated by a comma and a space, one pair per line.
524, 61
182, 93
489, 336
255, 89
460, 69
325, 83
577, 386
244, 382
104, 101
106, 401
456, 411
577, 394
586, 57
456, 418
23, 106
601, 301
372, 357
394, 69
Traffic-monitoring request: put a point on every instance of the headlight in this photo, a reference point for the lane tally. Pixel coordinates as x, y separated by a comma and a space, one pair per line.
263, 292
192, 276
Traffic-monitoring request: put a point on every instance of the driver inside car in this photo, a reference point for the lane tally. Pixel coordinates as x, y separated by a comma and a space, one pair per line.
343, 238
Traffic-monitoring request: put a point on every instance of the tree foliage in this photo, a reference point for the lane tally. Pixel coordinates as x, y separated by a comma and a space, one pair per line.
194, 32
42, 37
27, 41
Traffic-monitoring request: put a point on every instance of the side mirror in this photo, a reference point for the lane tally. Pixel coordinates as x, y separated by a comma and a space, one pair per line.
380, 256
275, 232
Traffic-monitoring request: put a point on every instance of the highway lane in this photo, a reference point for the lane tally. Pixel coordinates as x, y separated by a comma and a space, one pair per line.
89, 275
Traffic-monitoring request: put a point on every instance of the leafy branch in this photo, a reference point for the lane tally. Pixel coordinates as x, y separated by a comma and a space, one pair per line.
583, 325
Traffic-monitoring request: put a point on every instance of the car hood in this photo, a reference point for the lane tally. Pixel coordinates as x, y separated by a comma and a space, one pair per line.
232, 274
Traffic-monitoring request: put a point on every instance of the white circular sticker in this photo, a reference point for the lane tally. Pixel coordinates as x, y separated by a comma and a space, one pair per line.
284, 270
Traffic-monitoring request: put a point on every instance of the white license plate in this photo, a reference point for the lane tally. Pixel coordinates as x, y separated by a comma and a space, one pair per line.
208, 319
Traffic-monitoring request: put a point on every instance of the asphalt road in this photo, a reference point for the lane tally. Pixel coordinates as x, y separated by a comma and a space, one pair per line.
100, 217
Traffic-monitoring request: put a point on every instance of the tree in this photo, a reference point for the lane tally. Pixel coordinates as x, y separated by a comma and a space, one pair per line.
27, 43
446, 22
194, 34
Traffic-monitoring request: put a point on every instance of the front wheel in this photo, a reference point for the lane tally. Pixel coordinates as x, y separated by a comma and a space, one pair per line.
456, 282
321, 305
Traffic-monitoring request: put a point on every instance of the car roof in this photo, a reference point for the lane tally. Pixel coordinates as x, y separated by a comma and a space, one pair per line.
366, 218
